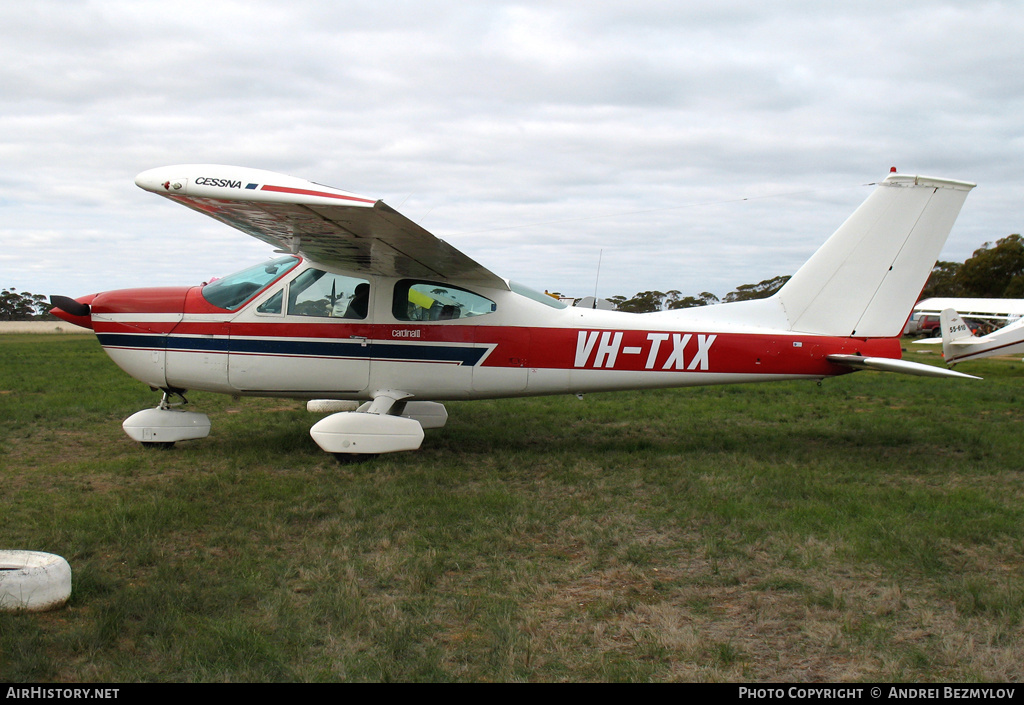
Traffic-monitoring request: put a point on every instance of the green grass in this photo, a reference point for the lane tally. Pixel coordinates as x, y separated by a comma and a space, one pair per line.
867, 529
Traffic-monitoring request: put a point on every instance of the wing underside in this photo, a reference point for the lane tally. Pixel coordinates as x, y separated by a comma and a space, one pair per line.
326, 225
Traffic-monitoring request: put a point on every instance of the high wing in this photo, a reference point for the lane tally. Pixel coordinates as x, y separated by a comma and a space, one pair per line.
325, 224
995, 310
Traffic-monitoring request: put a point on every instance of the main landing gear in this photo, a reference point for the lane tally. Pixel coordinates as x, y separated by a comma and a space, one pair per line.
166, 424
387, 424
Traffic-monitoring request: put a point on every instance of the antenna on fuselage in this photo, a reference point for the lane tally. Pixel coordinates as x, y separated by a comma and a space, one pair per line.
597, 278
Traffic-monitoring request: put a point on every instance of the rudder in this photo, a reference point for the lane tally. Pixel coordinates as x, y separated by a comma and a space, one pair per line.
865, 279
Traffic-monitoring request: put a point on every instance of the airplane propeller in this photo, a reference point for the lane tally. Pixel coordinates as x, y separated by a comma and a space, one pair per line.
334, 297
69, 305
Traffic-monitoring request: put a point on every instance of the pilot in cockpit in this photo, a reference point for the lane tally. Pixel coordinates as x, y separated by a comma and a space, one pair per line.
357, 306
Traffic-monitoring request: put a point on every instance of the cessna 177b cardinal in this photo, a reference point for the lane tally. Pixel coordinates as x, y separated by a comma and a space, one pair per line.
364, 306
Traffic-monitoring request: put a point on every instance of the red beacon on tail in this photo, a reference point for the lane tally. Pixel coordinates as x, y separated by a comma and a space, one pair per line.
369, 316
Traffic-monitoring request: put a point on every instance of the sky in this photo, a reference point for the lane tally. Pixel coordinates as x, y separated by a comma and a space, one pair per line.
609, 147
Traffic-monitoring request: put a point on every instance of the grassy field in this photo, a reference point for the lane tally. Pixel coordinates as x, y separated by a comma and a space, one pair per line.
871, 528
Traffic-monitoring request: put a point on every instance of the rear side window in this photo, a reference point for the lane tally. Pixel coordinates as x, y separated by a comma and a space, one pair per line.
432, 301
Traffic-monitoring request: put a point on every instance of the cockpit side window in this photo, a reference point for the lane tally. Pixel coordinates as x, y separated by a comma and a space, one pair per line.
273, 304
432, 301
319, 294
235, 289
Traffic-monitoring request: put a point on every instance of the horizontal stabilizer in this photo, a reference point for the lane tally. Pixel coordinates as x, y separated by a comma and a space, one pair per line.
888, 364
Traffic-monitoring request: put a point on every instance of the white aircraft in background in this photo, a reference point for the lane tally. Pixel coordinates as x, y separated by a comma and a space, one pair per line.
995, 312
959, 343
369, 312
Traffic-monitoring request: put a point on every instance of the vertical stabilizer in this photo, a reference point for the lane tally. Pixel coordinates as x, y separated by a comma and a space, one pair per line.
953, 328
865, 279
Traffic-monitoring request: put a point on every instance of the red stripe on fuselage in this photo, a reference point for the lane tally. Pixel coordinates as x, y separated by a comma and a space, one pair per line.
583, 349
675, 351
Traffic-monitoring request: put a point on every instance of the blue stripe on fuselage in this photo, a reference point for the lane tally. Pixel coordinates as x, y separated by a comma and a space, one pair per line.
462, 355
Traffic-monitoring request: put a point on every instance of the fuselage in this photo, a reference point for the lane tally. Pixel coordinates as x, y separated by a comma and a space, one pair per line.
304, 330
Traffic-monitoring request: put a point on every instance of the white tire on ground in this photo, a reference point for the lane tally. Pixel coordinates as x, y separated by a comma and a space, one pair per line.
31, 581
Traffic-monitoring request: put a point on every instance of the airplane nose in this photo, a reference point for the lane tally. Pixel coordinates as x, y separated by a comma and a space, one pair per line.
66, 303
77, 312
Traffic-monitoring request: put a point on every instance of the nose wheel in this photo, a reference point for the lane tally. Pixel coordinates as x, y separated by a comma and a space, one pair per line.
166, 424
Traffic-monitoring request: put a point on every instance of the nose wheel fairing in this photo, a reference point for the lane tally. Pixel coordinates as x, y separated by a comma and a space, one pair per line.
166, 424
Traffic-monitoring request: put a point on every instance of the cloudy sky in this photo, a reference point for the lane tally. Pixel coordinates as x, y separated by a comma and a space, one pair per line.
694, 145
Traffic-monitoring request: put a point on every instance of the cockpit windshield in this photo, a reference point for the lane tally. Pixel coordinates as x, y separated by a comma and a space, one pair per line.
235, 289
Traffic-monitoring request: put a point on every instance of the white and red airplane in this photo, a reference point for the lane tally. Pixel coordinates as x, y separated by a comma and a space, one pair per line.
363, 305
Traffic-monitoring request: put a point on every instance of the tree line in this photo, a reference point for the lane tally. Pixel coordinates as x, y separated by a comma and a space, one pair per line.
994, 271
23, 306
648, 301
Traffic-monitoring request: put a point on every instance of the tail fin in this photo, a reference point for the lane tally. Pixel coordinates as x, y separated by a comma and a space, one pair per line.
953, 326
865, 279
